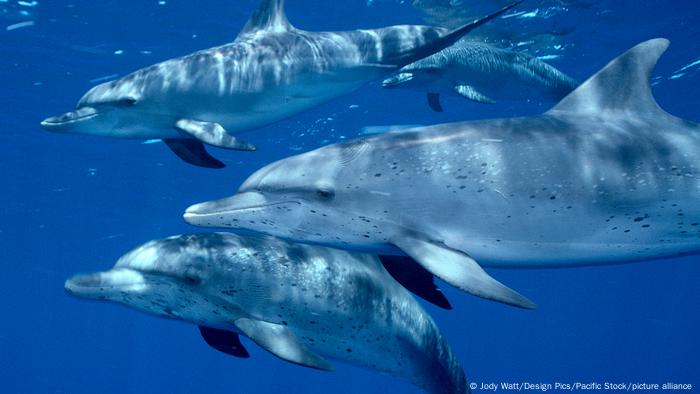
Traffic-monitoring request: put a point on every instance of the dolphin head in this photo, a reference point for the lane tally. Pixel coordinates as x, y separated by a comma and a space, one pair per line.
297, 198
115, 109
168, 277
414, 76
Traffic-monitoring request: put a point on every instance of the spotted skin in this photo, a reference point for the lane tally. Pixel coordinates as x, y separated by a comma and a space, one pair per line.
270, 72
494, 74
341, 305
605, 177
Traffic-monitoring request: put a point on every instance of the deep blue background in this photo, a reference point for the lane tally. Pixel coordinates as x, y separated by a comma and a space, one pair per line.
73, 204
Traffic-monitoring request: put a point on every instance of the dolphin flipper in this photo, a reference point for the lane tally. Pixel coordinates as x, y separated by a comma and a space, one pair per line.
224, 341
416, 279
193, 152
434, 102
459, 270
211, 133
281, 341
469, 93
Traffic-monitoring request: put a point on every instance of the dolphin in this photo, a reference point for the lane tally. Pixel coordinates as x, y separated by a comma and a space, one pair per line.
271, 71
606, 176
302, 303
482, 73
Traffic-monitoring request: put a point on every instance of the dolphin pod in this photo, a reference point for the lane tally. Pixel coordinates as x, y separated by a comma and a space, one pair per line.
301, 303
606, 176
482, 73
345, 231
271, 71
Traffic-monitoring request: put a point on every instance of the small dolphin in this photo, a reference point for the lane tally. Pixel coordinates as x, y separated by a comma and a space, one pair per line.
271, 71
301, 303
482, 73
606, 176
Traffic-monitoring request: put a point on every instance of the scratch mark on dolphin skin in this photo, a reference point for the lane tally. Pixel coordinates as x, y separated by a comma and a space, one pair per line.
105, 78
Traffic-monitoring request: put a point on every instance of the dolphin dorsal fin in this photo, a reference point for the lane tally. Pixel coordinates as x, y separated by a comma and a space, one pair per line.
269, 16
621, 86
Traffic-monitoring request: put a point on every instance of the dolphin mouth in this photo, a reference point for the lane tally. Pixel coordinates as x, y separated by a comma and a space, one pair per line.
396, 80
100, 285
56, 123
219, 213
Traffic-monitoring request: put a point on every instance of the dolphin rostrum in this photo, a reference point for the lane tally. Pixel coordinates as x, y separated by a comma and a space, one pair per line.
482, 73
271, 71
606, 176
301, 303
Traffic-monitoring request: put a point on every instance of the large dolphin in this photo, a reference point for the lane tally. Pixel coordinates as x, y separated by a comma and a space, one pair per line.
484, 74
301, 303
271, 71
606, 176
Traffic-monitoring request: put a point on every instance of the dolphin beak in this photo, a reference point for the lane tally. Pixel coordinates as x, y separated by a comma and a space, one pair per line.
226, 211
69, 119
101, 285
397, 79
79, 284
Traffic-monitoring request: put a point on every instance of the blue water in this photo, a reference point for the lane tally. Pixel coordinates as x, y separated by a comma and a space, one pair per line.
74, 204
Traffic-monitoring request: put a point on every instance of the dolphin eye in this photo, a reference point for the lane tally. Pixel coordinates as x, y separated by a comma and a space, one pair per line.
124, 102
325, 194
192, 279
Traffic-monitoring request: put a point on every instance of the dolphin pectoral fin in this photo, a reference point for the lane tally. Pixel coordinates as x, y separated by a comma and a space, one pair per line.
416, 279
281, 341
193, 152
469, 93
224, 341
211, 133
460, 270
434, 102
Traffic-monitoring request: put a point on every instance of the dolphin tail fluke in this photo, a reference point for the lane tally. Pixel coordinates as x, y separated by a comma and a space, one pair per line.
621, 86
460, 270
193, 152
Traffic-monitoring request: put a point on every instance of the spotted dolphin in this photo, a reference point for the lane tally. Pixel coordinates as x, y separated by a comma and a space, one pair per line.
484, 74
302, 303
271, 71
606, 176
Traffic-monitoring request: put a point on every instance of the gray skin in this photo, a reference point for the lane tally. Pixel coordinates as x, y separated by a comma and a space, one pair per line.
604, 177
270, 72
303, 303
482, 73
